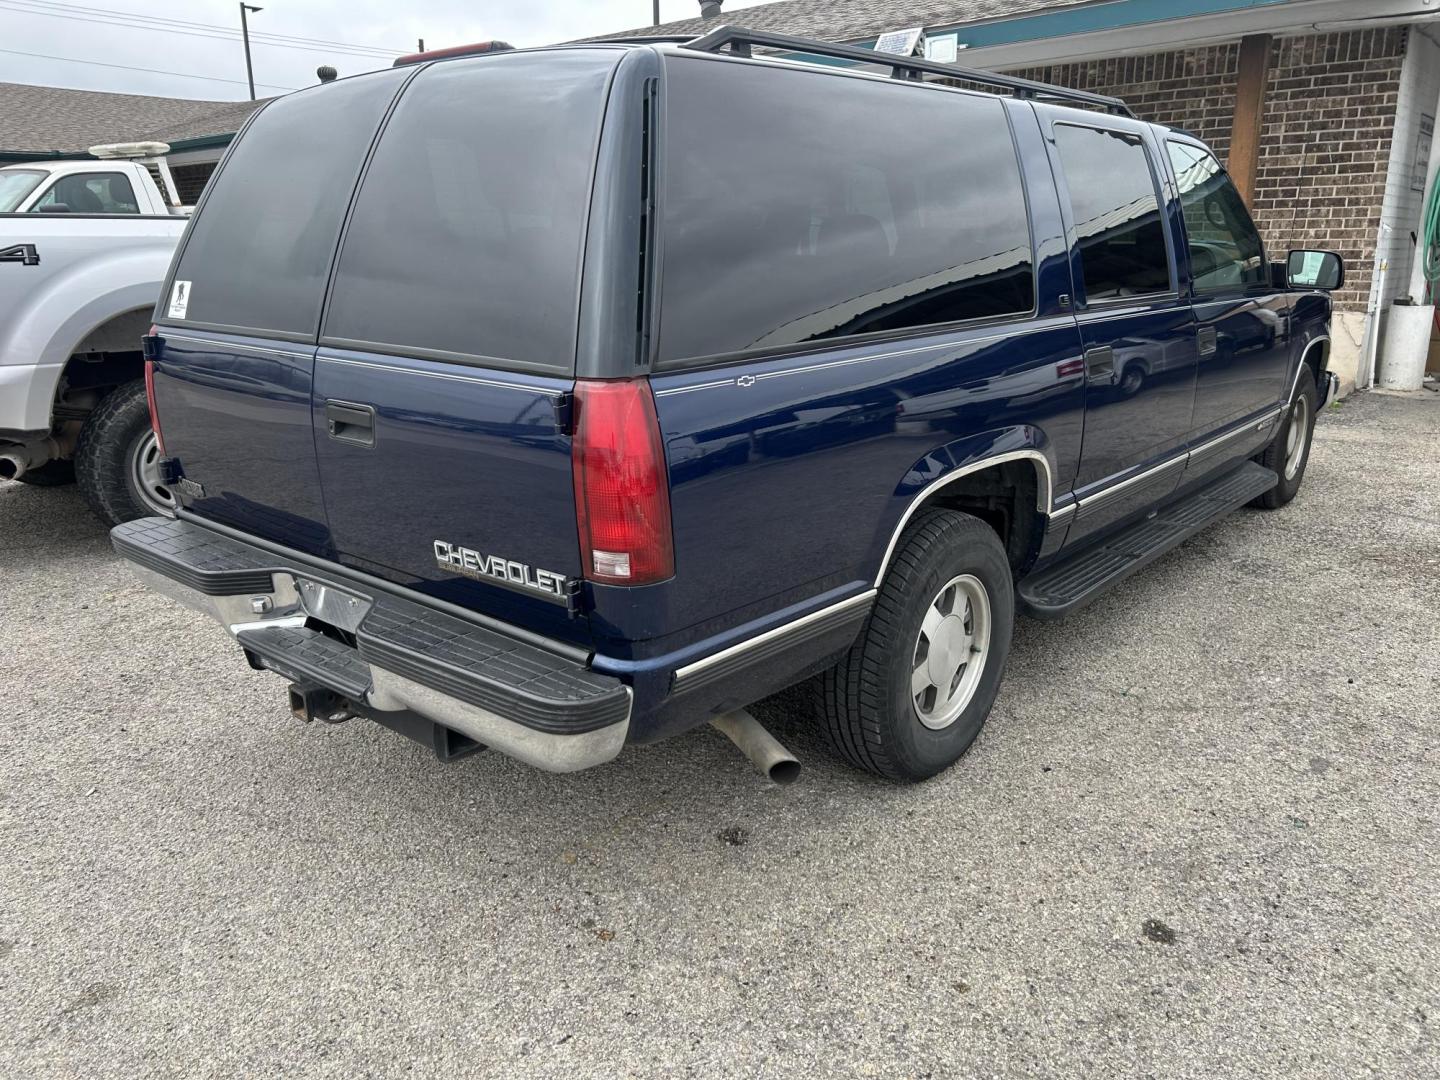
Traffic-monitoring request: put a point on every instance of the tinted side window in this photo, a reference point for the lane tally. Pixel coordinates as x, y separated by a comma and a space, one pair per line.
91, 193
1225, 248
467, 232
801, 206
1116, 213
259, 251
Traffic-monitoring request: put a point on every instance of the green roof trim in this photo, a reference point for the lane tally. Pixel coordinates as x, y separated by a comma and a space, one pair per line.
13, 157
202, 142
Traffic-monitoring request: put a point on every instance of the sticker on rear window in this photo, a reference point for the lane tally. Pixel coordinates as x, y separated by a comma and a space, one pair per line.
179, 299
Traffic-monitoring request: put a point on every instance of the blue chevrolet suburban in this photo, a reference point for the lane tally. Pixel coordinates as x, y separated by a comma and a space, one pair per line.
564, 399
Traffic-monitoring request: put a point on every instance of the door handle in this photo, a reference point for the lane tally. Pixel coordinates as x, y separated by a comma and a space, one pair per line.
347, 423
1208, 339
1099, 364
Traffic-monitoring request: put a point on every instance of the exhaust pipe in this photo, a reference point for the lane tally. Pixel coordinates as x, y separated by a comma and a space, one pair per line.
757, 744
12, 466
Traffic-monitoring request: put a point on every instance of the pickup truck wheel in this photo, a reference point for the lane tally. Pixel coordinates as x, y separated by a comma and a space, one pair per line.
51, 474
117, 461
1289, 452
913, 692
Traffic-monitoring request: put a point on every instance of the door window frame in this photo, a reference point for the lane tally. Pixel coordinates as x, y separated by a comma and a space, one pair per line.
82, 177
1072, 236
1251, 288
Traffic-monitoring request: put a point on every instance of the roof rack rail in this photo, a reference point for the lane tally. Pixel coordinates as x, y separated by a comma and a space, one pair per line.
739, 41
641, 39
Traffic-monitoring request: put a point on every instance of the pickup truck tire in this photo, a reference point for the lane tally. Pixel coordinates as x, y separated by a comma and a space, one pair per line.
1289, 452
950, 572
114, 459
51, 474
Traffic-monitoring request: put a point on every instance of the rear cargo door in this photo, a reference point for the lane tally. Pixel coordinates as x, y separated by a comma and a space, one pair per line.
447, 356
238, 319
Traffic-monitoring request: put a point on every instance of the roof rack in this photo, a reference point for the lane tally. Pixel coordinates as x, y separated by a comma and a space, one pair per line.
739, 41
641, 39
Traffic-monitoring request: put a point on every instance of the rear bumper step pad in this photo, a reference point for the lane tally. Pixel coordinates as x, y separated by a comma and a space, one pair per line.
303, 655
1059, 589
466, 664
196, 558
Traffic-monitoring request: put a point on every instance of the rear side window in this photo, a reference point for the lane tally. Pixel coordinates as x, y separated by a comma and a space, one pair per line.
467, 232
801, 206
1225, 248
1115, 211
260, 249
90, 193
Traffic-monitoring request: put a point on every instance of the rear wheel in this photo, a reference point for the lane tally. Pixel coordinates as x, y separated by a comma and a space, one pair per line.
117, 461
914, 691
1289, 452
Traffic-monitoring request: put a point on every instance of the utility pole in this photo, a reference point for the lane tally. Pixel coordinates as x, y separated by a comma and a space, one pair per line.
245, 33
657, 13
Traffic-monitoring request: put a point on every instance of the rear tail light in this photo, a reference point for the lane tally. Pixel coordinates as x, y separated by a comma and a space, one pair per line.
622, 491
150, 394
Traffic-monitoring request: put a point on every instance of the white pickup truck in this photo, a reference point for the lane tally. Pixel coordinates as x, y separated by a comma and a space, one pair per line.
84, 246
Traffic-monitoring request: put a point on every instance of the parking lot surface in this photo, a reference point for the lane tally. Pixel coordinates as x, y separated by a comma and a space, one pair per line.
1197, 839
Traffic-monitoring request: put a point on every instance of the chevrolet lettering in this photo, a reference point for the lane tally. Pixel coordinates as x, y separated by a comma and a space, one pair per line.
780, 388
473, 564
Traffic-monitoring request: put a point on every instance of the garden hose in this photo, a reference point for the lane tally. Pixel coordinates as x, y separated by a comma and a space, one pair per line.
1430, 239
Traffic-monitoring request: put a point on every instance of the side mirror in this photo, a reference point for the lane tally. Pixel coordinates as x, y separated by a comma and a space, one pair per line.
1306, 269
55, 208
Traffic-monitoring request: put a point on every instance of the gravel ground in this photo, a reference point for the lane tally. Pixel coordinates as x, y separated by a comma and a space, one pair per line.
1198, 839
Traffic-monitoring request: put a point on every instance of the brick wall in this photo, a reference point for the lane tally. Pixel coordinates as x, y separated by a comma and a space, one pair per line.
1325, 145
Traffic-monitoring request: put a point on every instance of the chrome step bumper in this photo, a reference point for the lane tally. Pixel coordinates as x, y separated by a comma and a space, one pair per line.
510, 694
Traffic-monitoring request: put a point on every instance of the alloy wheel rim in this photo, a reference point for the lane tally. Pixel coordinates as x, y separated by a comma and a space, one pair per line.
1295, 437
146, 479
950, 653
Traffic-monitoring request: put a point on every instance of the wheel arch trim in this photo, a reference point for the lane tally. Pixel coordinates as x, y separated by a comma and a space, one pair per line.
1311, 345
1044, 493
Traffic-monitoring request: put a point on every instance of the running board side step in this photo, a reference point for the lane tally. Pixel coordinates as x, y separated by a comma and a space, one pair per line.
1058, 590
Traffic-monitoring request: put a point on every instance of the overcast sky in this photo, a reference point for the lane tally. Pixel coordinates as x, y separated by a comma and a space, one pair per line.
93, 31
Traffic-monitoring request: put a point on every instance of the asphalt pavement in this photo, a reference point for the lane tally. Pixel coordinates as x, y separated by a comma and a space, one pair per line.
1198, 839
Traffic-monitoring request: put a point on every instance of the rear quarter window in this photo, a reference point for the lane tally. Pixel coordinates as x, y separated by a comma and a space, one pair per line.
466, 238
802, 206
259, 250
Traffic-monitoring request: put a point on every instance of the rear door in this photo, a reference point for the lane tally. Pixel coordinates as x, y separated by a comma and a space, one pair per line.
1138, 332
238, 317
446, 365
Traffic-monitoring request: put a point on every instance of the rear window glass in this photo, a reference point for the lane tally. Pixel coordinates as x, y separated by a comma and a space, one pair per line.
801, 206
467, 232
90, 193
260, 249
1116, 213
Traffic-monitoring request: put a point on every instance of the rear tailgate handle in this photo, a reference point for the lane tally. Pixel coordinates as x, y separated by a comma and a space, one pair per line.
1100, 364
350, 423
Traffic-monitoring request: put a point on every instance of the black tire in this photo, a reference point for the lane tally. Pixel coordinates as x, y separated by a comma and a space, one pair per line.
51, 474
1275, 457
865, 710
112, 437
